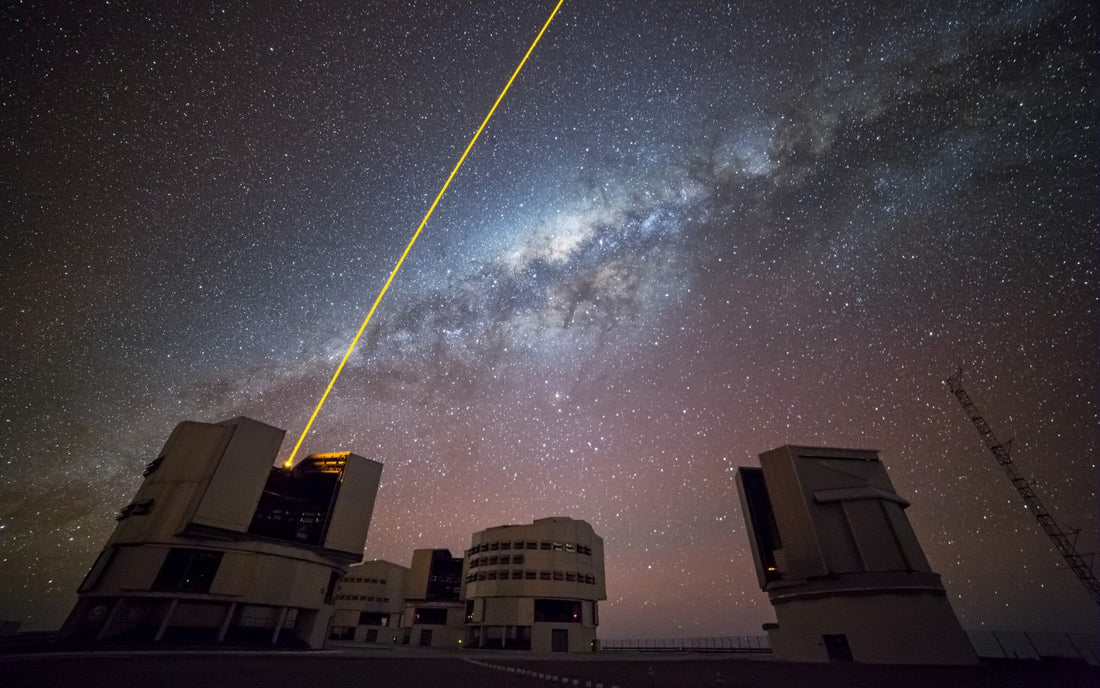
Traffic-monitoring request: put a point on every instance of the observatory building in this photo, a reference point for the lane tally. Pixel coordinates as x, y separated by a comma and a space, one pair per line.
220, 546
534, 587
370, 601
381, 602
840, 563
434, 613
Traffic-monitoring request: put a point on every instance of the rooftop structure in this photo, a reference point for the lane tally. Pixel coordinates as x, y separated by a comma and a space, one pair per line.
218, 544
841, 564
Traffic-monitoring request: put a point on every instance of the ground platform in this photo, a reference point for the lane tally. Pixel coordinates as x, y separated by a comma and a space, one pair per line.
407, 667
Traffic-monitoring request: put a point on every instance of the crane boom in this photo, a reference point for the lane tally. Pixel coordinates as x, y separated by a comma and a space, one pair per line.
1061, 538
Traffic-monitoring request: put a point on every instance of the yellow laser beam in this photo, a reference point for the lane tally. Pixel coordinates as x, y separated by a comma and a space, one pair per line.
290, 460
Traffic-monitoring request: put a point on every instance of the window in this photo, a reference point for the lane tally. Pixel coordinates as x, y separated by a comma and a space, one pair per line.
492, 575
558, 611
570, 547
570, 576
435, 616
493, 560
557, 547
761, 520
506, 545
188, 570
558, 575
544, 575
530, 575
341, 632
517, 559
532, 545
374, 619
494, 546
518, 544
517, 574
544, 545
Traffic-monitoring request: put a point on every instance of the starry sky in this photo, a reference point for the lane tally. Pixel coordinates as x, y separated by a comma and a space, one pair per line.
692, 232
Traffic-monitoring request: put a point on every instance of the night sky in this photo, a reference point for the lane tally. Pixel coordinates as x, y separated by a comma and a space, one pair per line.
692, 232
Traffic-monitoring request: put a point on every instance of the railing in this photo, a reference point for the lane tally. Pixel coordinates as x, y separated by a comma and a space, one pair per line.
1036, 645
987, 645
748, 644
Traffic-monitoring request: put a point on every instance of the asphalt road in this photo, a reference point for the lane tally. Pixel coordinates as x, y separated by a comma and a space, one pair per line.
400, 669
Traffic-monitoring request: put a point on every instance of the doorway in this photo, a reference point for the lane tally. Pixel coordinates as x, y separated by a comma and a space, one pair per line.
837, 647
559, 640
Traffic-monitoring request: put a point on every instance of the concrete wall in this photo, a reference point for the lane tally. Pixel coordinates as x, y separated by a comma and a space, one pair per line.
184, 467
449, 635
233, 490
581, 639
899, 628
347, 531
365, 580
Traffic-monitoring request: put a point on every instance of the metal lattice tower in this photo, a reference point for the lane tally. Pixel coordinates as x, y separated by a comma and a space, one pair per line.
1063, 540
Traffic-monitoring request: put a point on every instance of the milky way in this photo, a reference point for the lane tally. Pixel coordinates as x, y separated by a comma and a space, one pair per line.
693, 232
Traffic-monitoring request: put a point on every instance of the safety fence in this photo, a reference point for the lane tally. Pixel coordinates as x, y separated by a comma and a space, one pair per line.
1036, 645
747, 644
987, 645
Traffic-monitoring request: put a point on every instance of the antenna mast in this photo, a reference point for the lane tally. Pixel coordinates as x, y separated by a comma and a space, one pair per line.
1061, 538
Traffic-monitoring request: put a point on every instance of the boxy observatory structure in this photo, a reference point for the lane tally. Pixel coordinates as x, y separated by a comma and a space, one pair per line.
220, 546
840, 563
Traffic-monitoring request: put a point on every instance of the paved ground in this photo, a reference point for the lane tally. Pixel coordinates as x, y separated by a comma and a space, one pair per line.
707, 672
407, 667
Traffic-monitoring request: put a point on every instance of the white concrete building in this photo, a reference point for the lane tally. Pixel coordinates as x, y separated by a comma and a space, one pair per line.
370, 603
219, 546
435, 615
840, 563
534, 587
